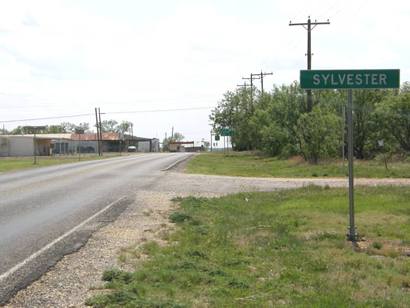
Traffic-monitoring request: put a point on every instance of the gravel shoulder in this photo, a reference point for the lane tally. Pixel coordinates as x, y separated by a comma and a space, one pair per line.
78, 276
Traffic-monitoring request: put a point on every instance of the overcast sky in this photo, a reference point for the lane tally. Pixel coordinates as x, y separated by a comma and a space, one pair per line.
66, 57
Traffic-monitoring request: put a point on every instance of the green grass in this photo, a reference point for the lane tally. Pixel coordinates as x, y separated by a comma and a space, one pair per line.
17, 163
271, 249
240, 164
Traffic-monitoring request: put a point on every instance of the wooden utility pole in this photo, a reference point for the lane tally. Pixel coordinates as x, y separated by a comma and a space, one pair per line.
101, 134
261, 75
309, 26
211, 141
251, 78
97, 125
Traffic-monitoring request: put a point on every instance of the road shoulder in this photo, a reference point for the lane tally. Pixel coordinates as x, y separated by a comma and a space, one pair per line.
77, 276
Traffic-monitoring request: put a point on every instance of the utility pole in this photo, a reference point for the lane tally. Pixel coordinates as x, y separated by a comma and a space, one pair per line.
97, 125
261, 75
251, 78
309, 26
35, 130
101, 135
211, 140
172, 134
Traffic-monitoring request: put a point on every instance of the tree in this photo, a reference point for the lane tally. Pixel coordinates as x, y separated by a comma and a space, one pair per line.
394, 116
277, 123
405, 87
123, 127
68, 127
319, 134
84, 126
108, 126
177, 137
17, 131
365, 102
55, 129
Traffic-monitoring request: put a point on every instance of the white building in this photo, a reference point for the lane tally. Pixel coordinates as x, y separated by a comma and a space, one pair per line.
23, 145
220, 145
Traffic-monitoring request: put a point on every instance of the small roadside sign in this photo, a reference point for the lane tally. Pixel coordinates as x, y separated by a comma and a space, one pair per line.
350, 79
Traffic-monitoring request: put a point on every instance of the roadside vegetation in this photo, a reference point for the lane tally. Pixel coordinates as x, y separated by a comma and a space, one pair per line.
281, 124
18, 163
248, 164
270, 249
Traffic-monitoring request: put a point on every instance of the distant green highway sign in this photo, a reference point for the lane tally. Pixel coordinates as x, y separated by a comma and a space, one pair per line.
225, 131
350, 79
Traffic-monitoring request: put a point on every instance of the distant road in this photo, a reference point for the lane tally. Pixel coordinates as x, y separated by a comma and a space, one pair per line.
41, 209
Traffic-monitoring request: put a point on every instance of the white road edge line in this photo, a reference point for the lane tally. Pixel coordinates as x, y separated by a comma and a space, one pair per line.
48, 246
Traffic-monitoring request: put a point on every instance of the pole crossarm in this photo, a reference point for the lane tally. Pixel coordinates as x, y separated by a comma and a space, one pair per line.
312, 23
249, 78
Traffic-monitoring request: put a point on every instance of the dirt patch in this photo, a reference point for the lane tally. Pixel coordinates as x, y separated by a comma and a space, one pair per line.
296, 160
383, 248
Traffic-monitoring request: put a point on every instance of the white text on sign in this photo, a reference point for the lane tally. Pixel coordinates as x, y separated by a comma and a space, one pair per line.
371, 79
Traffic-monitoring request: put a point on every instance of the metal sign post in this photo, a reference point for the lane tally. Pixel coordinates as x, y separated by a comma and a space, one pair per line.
352, 229
226, 132
350, 79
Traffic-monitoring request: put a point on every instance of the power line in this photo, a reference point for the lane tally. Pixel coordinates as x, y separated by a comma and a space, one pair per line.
162, 110
49, 118
244, 85
113, 112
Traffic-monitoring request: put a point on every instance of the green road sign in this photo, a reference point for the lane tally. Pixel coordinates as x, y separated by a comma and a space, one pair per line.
350, 79
225, 131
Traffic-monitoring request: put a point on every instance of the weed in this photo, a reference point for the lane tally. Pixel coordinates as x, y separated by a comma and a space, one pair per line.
377, 245
115, 274
178, 217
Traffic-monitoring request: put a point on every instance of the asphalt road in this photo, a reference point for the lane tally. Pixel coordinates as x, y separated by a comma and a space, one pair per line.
39, 207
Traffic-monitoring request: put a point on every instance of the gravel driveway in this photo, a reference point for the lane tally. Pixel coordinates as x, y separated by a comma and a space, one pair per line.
78, 275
